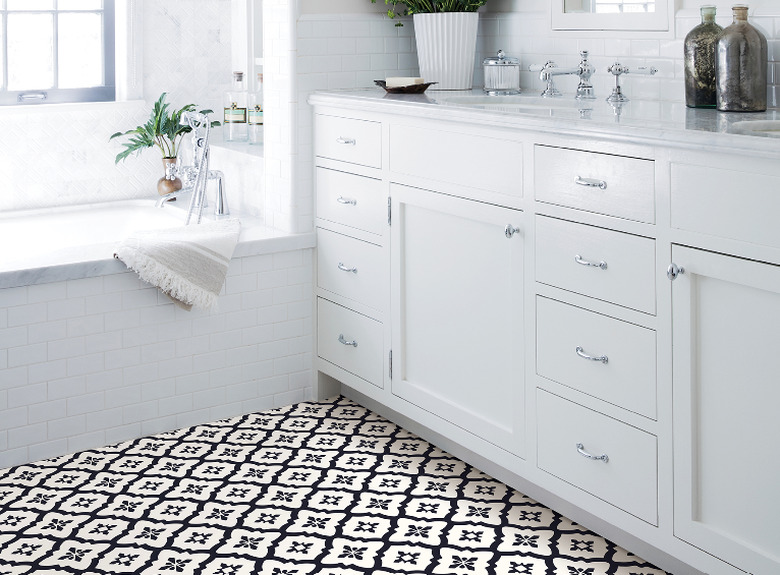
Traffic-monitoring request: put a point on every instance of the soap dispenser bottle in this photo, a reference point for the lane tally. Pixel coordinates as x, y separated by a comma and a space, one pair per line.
699, 52
235, 104
741, 66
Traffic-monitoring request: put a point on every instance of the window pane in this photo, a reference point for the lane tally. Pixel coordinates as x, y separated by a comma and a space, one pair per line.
30, 4
30, 51
80, 50
80, 5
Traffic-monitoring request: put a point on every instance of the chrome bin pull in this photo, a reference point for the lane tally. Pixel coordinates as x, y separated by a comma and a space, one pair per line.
346, 141
346, 201
344, 268
581, 352
581, 451
343, 341
591, 183
601, 265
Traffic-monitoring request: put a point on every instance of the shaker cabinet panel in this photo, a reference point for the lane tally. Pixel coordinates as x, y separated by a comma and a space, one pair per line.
596, 262
351, 200
726, 203
348, 140
601, 356
474, 160
457, 308
351, 268
601, 183
600, 455
726, 327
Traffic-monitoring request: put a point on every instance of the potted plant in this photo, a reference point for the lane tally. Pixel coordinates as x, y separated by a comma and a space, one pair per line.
165, 131
446, 36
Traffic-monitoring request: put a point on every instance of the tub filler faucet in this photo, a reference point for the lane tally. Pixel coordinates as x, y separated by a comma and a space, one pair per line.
583, 71
195, 177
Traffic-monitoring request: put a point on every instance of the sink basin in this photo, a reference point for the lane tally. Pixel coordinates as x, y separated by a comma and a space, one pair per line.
766, 128
520, 104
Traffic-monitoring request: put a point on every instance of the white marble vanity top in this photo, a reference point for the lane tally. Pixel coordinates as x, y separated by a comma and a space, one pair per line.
671, 124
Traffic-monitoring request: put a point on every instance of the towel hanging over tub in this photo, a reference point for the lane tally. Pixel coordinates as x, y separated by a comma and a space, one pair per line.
187, 263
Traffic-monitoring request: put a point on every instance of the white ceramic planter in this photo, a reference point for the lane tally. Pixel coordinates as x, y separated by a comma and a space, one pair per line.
446, 47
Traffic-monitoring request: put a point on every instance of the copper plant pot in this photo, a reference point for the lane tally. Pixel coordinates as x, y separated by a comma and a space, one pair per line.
166, 185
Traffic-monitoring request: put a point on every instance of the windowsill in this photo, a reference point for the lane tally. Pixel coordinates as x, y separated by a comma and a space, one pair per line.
65, 107
254, 150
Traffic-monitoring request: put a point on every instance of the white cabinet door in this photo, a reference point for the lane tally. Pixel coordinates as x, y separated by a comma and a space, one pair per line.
726, 329
457, 312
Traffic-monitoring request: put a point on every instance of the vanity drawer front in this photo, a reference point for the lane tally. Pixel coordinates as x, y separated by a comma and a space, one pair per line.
628, 277
626, 378
354, 201
351, 268
628, 479
348, 140
473, 160
350, 340
727, 203
629, 183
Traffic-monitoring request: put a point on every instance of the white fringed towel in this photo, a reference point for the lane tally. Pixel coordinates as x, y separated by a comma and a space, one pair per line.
187, 263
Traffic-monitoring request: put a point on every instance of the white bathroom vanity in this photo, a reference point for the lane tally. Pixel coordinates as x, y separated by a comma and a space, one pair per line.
584, 302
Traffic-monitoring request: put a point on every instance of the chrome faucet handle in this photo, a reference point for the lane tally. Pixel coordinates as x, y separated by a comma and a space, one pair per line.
546, 75
617, 69
585, 88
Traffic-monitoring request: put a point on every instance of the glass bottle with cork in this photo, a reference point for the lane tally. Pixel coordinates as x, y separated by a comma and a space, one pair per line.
256, 113
235, 105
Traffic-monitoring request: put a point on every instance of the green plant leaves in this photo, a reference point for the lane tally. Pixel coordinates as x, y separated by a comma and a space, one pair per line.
163, 129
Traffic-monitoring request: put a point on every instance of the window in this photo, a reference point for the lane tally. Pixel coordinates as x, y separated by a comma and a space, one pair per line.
56, 51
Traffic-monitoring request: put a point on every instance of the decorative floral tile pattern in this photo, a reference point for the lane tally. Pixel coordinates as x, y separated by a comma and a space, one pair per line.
326, 488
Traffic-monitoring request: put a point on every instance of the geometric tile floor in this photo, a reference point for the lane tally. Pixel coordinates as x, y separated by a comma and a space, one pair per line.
325, 488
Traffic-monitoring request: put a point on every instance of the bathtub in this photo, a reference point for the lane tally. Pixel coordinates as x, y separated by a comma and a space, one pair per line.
54, 244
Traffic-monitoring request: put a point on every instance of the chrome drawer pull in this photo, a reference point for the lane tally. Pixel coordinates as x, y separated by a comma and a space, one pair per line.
510, 231
601, 265
353, 343
591, 183
581, 450
346, 141
344, 268
581, 352
346, 201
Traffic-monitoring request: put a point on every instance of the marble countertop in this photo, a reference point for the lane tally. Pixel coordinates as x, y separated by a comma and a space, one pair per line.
670, 124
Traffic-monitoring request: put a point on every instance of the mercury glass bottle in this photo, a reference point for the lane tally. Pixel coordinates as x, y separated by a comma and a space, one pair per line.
235, 124
741, 66
699, 52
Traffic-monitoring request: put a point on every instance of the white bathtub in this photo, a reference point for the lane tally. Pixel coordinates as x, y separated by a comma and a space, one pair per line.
53, 237
54, 244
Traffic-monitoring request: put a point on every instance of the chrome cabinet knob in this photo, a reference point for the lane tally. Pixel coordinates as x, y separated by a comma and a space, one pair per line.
510, 231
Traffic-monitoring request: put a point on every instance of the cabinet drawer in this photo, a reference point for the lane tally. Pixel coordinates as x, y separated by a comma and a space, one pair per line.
625, 377
473, 160
628, 479
351, 200
627, 273
726, 203
628, 189
348, 140
350, 340
351, 268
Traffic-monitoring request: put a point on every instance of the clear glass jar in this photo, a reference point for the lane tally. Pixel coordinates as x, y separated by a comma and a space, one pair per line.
699, 52
741, 66
235, 117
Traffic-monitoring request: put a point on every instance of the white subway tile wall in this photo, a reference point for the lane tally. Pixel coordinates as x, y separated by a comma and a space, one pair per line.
85, 363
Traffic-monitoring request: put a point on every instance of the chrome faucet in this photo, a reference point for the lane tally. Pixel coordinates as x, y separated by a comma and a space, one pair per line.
195, 177
584, 71
617, 69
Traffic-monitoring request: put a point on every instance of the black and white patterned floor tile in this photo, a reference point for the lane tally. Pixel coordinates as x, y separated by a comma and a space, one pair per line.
326, 488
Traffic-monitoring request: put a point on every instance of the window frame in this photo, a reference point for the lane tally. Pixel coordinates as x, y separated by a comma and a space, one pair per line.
55, 95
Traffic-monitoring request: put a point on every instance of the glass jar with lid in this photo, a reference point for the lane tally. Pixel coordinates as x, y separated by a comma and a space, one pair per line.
502, 75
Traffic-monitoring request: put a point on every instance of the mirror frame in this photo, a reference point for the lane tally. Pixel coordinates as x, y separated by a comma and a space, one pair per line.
659, 21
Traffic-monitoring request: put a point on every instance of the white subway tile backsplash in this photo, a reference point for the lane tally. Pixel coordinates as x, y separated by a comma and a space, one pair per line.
86, 403
26, 395
26, 354
26, 314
